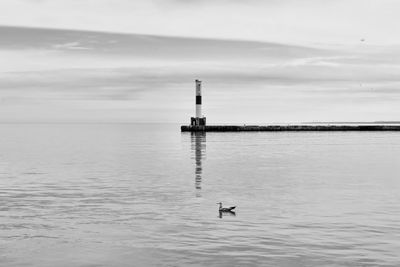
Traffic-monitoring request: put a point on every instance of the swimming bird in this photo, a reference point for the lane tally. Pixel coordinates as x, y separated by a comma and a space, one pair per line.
221, 209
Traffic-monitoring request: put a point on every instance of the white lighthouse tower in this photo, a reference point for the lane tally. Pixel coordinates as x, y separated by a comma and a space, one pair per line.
198, 99
199, 120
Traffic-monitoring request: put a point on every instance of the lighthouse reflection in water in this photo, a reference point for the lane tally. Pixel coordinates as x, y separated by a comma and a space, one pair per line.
198, 142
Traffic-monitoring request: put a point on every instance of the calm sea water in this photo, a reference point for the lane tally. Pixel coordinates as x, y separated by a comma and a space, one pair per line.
145, 195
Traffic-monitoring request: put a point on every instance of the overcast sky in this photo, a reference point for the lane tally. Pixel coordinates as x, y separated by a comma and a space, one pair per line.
282, 60
305, 21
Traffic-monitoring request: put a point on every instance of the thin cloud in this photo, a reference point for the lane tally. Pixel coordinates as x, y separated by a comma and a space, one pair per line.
70, 45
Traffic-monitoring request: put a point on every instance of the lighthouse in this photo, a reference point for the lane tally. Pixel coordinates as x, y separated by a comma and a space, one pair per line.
199, 121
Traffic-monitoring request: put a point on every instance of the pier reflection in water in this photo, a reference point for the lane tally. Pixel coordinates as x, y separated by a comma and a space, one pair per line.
198, 145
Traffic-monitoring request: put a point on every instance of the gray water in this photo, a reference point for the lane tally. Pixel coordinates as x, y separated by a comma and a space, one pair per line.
145, 195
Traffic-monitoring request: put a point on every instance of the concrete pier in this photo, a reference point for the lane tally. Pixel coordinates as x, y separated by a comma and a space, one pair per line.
292, 128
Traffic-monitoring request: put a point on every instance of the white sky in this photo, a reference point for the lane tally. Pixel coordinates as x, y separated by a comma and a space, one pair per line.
288, 21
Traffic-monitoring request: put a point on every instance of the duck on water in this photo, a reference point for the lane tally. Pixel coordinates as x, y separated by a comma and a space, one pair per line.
221, 209
229, 210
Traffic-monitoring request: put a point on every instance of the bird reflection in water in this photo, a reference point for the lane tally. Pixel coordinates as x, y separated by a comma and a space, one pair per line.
226, 213
198, 141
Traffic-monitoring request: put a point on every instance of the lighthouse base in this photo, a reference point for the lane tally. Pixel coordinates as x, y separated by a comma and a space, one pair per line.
198, 123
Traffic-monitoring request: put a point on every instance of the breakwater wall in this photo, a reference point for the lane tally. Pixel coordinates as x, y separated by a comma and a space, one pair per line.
282, 128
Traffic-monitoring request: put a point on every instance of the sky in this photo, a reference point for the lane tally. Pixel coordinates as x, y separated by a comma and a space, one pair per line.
287, 21
260, 61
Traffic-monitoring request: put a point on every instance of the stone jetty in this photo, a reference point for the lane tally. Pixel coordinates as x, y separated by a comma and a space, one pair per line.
291, 128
